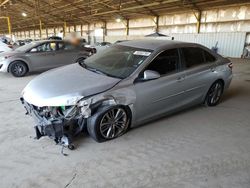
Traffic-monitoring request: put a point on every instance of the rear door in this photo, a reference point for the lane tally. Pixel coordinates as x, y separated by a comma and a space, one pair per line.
200, 73
66, 53
155, 97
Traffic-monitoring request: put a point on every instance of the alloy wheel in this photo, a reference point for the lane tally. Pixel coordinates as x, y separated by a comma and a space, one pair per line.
215, 93
114, 122
18, 69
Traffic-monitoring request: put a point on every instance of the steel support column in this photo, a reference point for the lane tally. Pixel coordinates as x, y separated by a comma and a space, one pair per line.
64, 29
157, 24
40, 28
8, 23
127, 27
198, 24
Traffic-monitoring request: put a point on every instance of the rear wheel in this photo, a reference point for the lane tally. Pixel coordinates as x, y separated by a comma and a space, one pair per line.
214, 94
18, 68
109, 123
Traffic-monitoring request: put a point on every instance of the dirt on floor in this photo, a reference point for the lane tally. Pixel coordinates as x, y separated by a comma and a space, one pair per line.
200, 147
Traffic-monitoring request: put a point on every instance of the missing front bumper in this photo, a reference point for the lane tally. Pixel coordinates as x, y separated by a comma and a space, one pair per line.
56, 128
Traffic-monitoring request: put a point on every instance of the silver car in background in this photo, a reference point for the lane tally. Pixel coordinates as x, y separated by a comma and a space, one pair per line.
125, 85
40, 56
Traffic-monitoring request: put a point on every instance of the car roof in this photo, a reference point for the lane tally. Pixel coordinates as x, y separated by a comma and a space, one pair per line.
43, 41
153, 44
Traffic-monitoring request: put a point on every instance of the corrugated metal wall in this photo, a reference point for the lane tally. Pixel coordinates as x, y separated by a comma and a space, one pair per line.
229, 44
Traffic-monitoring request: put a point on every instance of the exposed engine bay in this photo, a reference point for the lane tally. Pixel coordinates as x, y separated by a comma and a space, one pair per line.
64, 122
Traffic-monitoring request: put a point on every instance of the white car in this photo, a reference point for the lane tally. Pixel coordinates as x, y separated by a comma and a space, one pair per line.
4, 47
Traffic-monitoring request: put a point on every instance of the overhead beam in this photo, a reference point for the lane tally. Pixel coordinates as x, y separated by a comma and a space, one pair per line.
136, 7
4, 2
153, 13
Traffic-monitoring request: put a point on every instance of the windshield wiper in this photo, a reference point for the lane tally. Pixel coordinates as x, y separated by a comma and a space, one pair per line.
96, 70
91, 69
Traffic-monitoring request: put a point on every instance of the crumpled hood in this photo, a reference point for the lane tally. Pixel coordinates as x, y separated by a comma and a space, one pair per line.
66, 85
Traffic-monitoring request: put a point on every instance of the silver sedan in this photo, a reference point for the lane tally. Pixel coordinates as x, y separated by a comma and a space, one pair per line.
40, 56
125, 85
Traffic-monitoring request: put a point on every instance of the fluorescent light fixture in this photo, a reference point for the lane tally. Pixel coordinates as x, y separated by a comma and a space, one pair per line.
118, 20
24, 14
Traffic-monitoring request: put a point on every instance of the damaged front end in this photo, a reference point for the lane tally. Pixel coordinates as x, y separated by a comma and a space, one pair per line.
62, 123
59, 123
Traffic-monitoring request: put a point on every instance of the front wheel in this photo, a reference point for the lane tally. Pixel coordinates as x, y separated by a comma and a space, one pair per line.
109, 123
18, 68
214, 94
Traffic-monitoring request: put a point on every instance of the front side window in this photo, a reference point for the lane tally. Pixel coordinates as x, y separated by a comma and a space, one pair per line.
46, 47
166, 62
117, 61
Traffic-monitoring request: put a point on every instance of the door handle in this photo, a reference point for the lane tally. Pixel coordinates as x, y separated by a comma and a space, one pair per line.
181, 78
212, 69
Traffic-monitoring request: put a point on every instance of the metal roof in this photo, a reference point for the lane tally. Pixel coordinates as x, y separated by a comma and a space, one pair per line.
56, 12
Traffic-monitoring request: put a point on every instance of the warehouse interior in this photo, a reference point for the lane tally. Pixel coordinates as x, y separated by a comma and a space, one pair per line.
194, 148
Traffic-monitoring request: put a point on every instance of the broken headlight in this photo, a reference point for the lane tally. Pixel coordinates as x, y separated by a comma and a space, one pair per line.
87, 105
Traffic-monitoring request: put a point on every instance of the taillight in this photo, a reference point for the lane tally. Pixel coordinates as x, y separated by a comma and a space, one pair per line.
230, 65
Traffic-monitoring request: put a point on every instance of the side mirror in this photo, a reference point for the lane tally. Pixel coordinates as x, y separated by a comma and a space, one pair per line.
150, 75
80, 60
33, 50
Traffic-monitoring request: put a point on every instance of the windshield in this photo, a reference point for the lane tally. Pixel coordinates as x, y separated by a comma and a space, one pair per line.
117, 61
26, 47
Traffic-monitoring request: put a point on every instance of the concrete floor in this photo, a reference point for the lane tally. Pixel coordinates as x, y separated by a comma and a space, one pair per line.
200, 147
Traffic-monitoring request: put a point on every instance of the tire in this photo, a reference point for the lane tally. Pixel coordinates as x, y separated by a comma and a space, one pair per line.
18, 69
214, 94
101, 128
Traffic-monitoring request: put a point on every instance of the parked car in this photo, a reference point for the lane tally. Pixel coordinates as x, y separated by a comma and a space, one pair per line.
119, 41
19, 43
41, 55
83, 42
55, 38
99, 46
125, 85
4, 47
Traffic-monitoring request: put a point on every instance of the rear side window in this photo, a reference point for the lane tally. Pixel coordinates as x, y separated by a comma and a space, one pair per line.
193, 56
209, 58
65, 46
166, 62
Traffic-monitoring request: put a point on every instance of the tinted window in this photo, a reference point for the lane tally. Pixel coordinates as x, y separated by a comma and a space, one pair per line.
65, 46
209, 57
46, 47
166, 62
193, 56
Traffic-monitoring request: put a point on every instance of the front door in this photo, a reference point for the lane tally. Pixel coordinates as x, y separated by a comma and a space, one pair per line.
43, 56
162, 95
